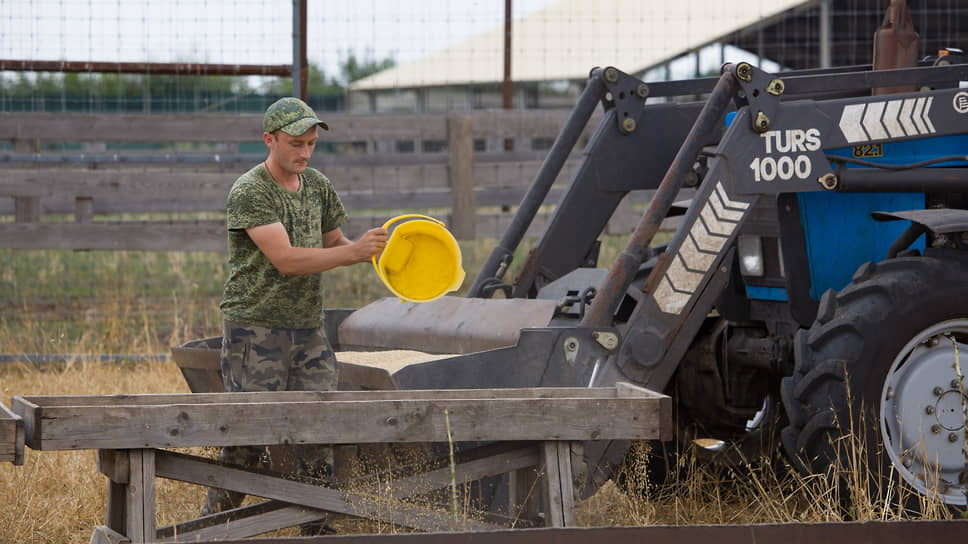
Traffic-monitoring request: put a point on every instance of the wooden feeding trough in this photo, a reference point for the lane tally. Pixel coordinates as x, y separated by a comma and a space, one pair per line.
11, 437
522, 428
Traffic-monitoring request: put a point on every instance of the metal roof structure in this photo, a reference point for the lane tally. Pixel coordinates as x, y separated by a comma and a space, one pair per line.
566, 39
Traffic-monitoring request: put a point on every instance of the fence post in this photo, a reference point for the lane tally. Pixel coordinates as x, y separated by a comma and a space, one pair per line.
83, 209
26, 209
460, 171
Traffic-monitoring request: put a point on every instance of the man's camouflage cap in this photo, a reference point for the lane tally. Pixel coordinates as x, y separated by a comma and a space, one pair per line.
292, 116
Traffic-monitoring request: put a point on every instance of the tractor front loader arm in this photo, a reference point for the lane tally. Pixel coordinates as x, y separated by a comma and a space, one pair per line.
770, 148
629, 150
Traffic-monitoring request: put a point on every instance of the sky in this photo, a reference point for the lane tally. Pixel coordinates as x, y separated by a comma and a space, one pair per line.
241, 31
254, 31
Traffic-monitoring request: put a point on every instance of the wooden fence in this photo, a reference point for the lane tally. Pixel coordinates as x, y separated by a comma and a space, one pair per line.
78, 181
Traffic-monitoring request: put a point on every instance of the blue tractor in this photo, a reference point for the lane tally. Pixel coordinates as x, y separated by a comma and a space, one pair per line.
811, 299
811, 296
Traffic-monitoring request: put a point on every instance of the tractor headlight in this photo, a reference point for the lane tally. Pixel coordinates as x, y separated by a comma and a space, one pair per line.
750, 255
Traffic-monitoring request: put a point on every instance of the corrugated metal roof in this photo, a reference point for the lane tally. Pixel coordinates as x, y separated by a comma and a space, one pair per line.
565, 40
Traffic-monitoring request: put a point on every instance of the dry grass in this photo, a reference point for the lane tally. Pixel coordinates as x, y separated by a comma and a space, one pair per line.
57, 497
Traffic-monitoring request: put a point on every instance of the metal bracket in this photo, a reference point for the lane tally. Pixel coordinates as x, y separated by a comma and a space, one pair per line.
572, 345
608, 340
627, 95
762, 91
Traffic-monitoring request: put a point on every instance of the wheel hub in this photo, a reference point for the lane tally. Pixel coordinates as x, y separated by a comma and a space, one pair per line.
948, 411
923, 419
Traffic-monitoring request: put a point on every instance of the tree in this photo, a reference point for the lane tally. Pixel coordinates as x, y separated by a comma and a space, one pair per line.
353, 69
316, 84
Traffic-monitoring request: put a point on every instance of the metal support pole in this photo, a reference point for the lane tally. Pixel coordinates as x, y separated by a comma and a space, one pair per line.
152, 68
826, 34
506, 85
300, 70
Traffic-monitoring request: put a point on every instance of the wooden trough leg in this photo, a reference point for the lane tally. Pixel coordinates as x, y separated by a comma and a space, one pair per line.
114, 464
131, 493
559, 492
525, 492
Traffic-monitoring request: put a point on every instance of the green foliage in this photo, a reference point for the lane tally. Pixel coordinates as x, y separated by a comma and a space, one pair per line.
319, 83
73, 91
353, 69
114, 84
316, 84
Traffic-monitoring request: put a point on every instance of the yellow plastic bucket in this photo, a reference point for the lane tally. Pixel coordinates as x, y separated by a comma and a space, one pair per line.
421, 261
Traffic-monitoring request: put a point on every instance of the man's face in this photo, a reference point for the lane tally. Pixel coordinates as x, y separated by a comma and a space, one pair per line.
292, 153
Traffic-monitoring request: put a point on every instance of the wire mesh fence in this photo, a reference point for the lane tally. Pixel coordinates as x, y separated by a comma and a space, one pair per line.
382, 55
373, 57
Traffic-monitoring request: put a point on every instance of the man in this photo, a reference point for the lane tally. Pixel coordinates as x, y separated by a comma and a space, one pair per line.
284, 229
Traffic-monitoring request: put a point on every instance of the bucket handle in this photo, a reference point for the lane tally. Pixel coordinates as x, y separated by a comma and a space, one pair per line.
401, 218
412, 216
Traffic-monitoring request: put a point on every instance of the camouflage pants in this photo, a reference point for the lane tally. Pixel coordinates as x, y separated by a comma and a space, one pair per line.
263, 359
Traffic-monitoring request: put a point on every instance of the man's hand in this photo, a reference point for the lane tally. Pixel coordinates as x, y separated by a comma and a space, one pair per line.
373, 242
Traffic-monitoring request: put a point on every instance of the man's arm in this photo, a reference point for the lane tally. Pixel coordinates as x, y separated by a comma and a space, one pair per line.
335, 238
273, 241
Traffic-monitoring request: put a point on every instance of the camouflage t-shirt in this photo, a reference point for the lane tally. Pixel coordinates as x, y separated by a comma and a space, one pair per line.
255, 292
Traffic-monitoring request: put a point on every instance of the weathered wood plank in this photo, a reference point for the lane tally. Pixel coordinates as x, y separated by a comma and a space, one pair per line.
115, 465
115, 510
399, 181
359, 421
117, 184
12, 437
566, 483
234, 128
175, 186
628, 390
468, 471
26, 209
79, 127
209, 235
129, 235
211, 198
525, 493
28, 403
552, 489
525, 123
139, 499
203, 472
272, 515
240, 523
460, 172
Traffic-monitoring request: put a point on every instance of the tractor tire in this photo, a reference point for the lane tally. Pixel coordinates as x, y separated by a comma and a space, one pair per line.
875, 373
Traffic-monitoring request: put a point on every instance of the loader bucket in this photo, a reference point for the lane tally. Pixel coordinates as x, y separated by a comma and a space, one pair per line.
446, 325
